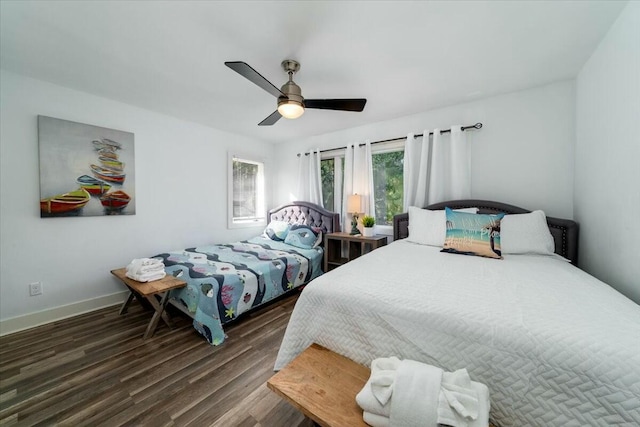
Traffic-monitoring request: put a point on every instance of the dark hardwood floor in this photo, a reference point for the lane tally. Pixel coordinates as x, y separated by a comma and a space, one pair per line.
95, 370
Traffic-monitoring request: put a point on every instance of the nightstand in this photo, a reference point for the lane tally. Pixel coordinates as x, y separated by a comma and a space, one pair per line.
356, 246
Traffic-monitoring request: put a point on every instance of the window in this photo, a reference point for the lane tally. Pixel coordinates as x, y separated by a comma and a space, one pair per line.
246, 192
388, 185
388, 182
331, 193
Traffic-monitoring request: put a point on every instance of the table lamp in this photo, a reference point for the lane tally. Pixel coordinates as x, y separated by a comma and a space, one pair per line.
354, 206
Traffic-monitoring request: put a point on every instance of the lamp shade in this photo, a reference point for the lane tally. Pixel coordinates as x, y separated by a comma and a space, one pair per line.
354, 203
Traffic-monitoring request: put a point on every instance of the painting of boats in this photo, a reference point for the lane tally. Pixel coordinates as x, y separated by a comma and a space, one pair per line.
112, 164
95, 160
115, 200
108, 174
108, 152
94, 186
65, 203
101, 143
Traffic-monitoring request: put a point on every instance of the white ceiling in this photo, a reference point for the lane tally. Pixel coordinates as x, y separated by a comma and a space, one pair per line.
404, 57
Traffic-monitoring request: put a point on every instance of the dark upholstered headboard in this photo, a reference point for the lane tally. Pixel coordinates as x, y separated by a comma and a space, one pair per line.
564, 231
307, 213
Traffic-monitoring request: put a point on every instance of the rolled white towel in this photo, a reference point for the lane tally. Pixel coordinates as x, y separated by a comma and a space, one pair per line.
416, 392
383, 373
462, 402
374, 396
409, 393
375, 420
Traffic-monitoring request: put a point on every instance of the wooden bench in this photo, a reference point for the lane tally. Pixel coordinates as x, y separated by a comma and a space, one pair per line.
147, 291
323, 386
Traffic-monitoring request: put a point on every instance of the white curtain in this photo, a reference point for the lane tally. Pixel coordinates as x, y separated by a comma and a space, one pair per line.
437, 169
309, 180
358, 179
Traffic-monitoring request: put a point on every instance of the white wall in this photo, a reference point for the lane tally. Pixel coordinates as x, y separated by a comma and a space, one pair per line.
181, 200
523, 155
607, 179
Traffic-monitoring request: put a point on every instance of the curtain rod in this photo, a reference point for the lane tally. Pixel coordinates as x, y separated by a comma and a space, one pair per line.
476, 126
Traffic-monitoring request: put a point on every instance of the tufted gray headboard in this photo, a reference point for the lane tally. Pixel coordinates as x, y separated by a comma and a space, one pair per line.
307, 213
564, 231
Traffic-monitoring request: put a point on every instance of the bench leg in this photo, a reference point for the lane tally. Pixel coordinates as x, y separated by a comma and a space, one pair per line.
125, 305
159, 307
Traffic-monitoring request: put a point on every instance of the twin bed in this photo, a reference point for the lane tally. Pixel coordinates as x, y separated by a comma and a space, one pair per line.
555, 346
226, 280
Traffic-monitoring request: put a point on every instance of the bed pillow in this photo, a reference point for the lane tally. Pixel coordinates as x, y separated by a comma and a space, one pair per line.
303, 236
428, 227
473, 234
277, 230
526, 234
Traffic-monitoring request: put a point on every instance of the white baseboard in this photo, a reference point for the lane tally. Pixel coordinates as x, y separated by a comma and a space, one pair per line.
28, 321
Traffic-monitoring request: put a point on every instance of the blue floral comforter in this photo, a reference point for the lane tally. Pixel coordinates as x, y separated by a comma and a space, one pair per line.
224, 281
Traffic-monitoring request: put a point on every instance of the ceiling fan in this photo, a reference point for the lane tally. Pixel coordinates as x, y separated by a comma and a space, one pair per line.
291, 104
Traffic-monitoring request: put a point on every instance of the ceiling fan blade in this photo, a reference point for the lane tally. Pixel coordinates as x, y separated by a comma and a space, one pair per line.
355, 104
252, 75
273, 117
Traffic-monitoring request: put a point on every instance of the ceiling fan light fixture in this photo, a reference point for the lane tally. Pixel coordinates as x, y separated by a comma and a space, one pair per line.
290, 109
291, 103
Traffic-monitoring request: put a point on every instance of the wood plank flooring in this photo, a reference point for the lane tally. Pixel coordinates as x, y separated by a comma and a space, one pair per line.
95, 370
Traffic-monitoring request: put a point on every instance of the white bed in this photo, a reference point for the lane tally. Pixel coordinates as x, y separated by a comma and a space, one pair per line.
555, 346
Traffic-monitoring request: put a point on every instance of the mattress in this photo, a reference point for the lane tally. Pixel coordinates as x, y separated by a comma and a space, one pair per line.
555, 346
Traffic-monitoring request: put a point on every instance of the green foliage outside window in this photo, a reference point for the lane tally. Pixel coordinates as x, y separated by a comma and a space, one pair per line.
244, 189
387, 181
326, 175
388, 185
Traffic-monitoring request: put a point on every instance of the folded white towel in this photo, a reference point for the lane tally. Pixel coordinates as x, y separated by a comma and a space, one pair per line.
409, 393
151, 268
146, 277
145, 265
375, 420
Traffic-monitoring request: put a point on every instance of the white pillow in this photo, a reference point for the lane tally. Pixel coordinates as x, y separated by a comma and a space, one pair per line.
428, 227
526, 234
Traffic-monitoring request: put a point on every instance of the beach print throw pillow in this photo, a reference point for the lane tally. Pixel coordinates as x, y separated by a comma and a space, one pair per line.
473, 234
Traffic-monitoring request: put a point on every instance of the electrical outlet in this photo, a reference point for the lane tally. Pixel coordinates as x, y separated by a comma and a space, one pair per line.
35, 288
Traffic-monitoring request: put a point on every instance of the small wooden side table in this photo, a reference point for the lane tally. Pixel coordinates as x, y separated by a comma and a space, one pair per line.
356, 246
323, 386
148, 291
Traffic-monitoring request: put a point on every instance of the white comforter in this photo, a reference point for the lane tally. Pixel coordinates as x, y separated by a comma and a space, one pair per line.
555, 346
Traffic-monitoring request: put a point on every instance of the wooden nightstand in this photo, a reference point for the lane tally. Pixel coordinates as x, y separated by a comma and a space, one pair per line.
356, 246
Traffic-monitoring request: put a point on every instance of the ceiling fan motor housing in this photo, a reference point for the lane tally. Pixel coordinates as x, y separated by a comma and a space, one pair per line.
293, 93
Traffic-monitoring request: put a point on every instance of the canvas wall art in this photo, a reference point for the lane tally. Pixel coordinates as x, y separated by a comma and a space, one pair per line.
85, 170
